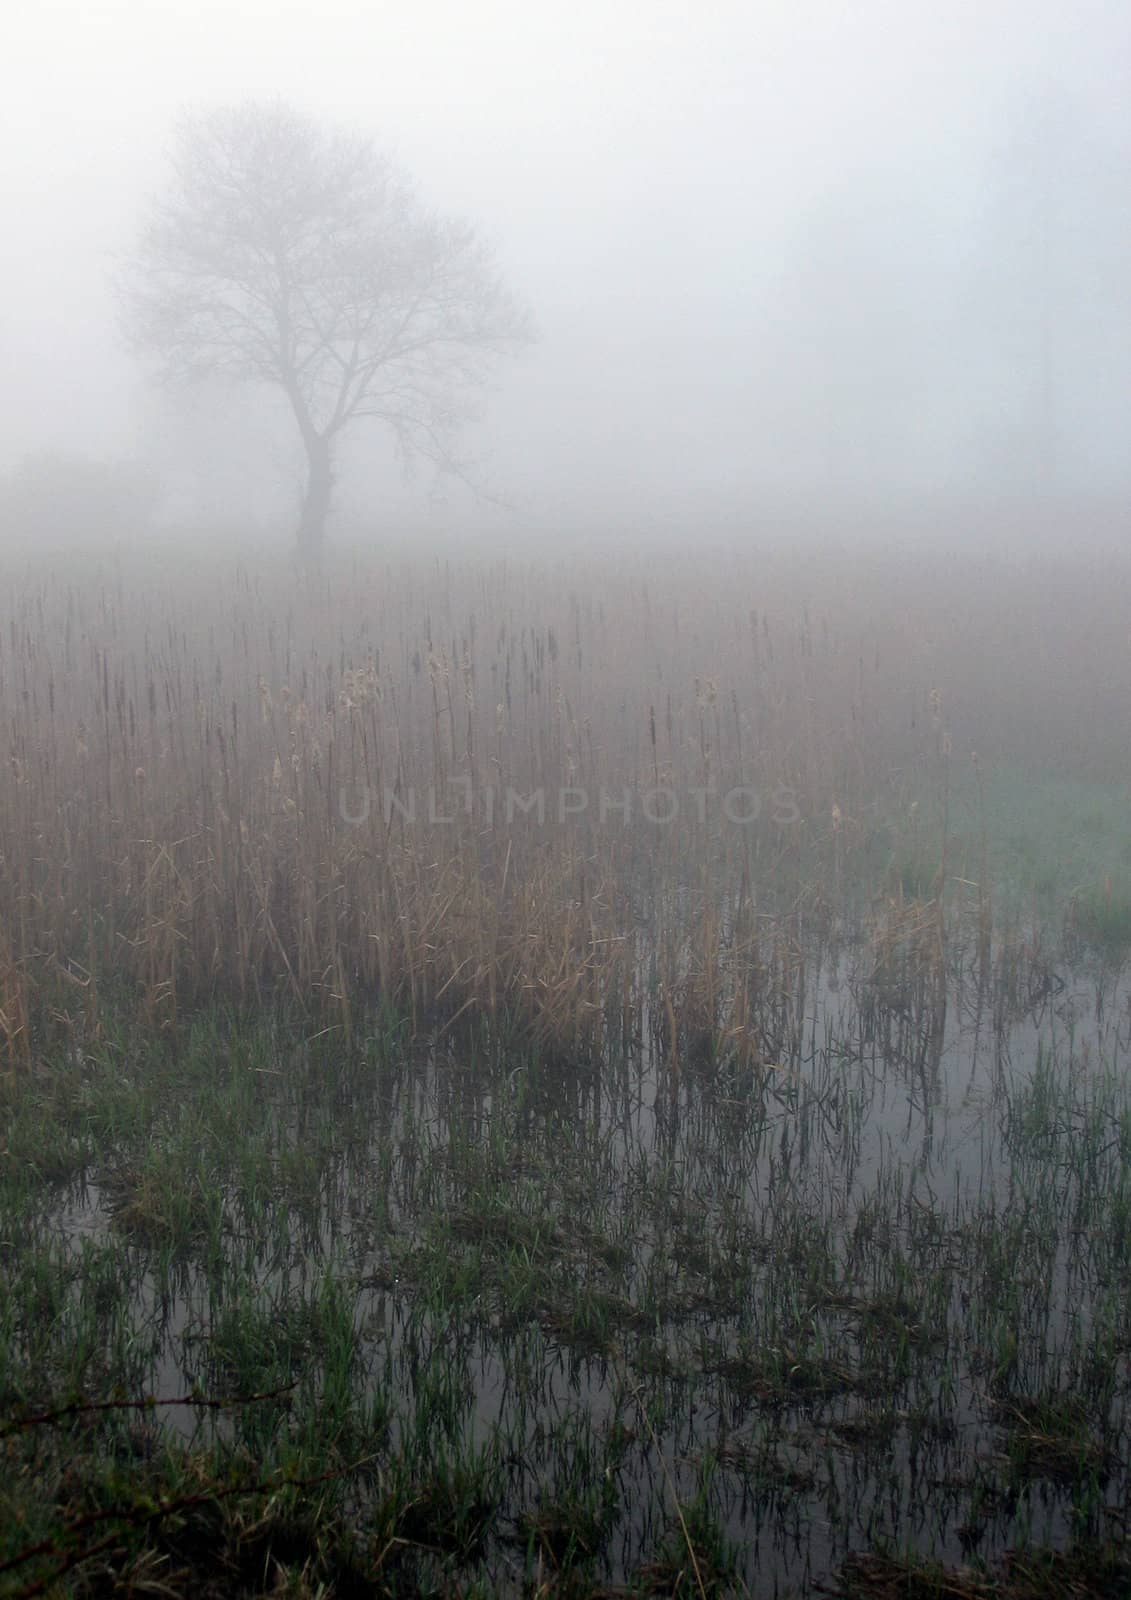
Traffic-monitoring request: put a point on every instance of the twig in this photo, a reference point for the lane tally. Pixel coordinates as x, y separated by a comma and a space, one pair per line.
146, 1403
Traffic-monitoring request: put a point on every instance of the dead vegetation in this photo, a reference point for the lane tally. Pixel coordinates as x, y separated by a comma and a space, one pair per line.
596, 815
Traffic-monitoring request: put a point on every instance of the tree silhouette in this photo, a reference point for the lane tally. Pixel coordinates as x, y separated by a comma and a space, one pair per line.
288, 254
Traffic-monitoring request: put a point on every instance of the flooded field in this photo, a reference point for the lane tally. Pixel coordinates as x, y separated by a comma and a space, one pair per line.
682, 1323
509, 1088
565, 802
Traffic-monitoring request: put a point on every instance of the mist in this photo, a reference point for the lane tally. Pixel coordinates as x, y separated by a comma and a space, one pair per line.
784, 262
565, 866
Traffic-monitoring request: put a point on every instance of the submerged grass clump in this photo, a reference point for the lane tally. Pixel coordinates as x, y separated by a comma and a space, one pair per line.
1087, 1571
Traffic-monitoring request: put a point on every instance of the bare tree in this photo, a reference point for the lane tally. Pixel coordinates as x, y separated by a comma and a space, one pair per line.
291, 255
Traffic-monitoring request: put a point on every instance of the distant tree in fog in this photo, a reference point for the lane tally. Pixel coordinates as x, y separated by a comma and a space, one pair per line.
287, 254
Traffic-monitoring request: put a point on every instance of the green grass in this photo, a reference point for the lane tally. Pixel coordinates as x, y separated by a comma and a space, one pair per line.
443, 1319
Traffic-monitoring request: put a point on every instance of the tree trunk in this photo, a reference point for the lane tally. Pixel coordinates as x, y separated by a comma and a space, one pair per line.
315, 500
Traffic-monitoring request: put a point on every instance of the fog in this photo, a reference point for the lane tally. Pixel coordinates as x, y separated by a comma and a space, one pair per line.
565, 1017
783, 259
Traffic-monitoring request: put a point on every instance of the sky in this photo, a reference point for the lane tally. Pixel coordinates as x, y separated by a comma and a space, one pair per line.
775, 252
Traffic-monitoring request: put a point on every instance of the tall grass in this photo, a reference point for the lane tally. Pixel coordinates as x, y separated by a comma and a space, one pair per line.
217, 782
